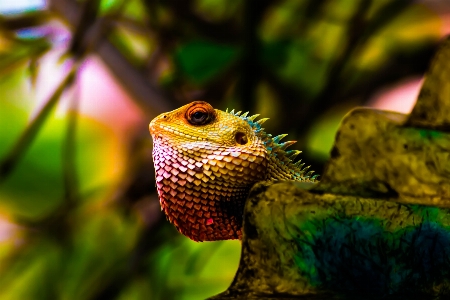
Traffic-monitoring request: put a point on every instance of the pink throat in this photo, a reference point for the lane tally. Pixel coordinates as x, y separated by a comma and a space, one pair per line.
201, 209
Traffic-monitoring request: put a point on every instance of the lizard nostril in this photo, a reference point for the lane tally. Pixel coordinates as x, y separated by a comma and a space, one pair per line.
241, 138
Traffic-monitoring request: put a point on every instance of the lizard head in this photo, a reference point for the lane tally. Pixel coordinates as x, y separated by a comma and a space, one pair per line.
206, 160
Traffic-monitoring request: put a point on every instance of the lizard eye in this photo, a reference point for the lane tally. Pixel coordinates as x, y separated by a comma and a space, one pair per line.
199, 117
200, 114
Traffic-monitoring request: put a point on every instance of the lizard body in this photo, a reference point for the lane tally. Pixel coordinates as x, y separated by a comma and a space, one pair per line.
206, 160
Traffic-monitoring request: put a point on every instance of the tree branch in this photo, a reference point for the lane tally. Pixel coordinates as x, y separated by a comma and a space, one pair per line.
149, 97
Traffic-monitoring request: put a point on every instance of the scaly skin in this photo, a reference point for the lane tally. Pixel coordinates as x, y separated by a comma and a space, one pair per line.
206, 160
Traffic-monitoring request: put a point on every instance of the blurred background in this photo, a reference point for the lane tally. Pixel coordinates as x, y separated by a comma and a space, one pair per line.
80, 81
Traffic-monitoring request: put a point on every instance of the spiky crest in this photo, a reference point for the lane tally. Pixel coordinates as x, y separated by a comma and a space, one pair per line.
261, 121
252, 118
277, 149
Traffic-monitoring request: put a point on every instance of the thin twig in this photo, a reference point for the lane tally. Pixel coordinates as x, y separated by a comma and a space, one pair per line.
87, 19
148, 96
69, 151
10, 161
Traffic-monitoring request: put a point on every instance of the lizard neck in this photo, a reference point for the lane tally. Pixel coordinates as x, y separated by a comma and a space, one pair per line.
204, 195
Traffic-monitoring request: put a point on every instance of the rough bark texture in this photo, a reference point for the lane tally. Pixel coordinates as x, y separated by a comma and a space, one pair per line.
378, 223
430, 110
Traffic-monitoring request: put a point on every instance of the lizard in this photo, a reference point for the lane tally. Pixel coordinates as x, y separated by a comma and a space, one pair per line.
206, 160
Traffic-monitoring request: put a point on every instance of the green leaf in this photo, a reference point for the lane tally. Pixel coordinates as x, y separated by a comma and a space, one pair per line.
190, 270
20, 52
201, 60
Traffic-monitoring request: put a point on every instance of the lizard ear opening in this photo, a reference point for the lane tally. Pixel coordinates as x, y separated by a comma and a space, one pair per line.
241, 138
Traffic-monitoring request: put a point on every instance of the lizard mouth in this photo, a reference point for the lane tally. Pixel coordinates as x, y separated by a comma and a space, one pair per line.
159, 130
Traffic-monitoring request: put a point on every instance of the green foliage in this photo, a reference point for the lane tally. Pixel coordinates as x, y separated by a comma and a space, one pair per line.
201, 60
193, 270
